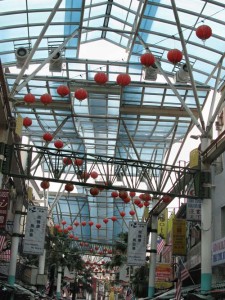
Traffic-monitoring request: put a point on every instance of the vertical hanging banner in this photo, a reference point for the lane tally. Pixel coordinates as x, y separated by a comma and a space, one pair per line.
193, 209
162, 224
179, 237
4, 200
137, 241
35, 230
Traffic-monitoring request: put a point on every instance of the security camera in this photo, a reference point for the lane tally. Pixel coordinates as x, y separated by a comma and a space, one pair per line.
182, 75
21, 54
56, 56
150, 73
55, 64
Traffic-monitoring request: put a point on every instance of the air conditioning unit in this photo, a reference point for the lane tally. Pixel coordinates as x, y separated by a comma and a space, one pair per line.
21, 56
150, 73
55, 64
182, 75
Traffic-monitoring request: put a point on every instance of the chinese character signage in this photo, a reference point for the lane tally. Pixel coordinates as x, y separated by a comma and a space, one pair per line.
162, 224
163, 276
4, 200
218, 252
137, 241
179, 237
35, 230
194, 209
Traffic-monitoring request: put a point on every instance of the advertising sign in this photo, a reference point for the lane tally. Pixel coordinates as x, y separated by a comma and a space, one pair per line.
163, 272
218, 252
137, 241
35, 230
4, 200
162, 224
194, 209
179, 237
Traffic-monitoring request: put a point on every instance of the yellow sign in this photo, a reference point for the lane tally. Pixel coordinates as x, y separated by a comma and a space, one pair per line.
19, 125
145, 214
194, 158
179, 237
111, 295
29, 193
162, 224
161, 285
170, 228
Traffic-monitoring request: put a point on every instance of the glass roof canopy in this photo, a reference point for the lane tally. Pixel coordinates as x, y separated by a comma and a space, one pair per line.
141, 121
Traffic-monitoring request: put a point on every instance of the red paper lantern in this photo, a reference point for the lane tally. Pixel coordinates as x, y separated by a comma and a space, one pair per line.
123, 194
57, 226
146, 203
76, 223
47, 137
46, 99
67, 161
94, 174
83, 223
58, 144
166, 199
126, 200
132, 194
91, 223
29, 98
114, 194
45, 184
137, 201
123, 79
94, 191
65, 230
71, 236
174, 56
80, 94
132, 212
146, 197
27, 122
114, 218
69, 187
78, 162
76, 238
105, 220
141, 196
96, 248
147, 59
63, 90
70, 227
63, 222
203, 32
98, 226
140, 205
84, 175
59, 229
101, 78
123, 214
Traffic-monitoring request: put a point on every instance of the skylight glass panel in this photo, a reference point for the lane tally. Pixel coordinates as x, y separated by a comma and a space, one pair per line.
212, 10
15, 4
188, 5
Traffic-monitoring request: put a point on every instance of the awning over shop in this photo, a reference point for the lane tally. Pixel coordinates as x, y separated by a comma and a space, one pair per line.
193, 292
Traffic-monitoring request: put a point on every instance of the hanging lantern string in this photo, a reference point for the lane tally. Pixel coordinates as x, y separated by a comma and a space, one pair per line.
162, 40
140, 51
